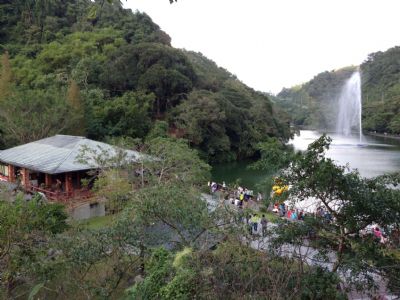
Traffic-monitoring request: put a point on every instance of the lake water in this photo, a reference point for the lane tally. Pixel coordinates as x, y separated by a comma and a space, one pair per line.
372, 156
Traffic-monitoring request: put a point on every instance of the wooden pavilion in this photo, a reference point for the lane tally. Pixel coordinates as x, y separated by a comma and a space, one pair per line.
52, 166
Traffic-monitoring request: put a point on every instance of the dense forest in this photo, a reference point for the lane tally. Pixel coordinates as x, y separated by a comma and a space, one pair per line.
96, 69
314, 103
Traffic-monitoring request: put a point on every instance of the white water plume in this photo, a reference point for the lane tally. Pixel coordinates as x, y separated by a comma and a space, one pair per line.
349, 117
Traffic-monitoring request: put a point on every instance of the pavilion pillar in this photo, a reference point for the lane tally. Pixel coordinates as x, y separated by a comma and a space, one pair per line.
48, 181
69, 187
25, 177
78, 179
11, 173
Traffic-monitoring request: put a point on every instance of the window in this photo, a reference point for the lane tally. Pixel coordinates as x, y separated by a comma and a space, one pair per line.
3, 169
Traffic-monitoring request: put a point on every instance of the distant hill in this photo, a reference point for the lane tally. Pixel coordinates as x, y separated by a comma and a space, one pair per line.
314, 104
381, 91
95, 69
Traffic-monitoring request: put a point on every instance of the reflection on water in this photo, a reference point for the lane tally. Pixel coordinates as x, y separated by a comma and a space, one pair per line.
372, 157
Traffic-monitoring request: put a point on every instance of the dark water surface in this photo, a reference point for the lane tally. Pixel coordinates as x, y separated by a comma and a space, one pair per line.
372, 156
233, 172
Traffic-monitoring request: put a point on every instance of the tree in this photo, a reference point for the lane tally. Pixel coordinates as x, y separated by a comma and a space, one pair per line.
5, 77
202, 121
351, 203
77, 122
232, 271
127, 115
174, 161
25, 230
30, 115
274, 155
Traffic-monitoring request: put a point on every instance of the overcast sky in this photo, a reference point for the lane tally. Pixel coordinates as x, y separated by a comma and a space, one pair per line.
270, 44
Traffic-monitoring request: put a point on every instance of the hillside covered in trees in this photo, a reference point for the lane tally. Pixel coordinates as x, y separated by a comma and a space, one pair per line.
314, 104
96, 69
381, 91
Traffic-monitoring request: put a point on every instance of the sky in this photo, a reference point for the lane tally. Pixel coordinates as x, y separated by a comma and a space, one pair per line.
271, 44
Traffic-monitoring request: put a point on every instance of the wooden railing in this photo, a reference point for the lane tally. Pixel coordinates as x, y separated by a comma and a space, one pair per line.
62, 196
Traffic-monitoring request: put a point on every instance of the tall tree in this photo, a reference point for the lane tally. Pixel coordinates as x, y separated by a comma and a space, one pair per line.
74, 101
33, 114
5, 77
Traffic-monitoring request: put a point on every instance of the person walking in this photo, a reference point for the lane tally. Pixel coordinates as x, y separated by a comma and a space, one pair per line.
254, 222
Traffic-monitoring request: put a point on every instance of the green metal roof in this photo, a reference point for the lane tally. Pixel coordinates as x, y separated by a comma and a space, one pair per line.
60, 154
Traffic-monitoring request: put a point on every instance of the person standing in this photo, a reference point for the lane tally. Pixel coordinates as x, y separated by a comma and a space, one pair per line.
58, 185
250, 224
254, 222
259, 197
264, 223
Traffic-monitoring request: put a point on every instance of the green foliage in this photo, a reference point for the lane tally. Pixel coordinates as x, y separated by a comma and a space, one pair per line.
25, 228
29, 115
97, 44
158, 268
174, 161
35, 290
5, 77
232, 271
164, 280
201, 119
319, 284
128, 115
274, 155
77, 110
175, 206
95, 263
128, 77
209, 76
381, 91
113, 185
159, 129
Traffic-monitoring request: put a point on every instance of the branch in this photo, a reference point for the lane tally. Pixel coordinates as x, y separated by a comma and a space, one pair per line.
172, 226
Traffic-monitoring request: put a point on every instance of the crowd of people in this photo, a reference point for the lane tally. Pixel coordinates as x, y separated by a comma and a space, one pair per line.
292, 214
257, 223
239, 196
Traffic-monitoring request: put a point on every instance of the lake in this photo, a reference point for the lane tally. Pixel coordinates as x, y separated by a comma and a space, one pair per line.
372, 156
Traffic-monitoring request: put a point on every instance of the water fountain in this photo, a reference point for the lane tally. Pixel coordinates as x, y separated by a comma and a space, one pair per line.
349, 117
